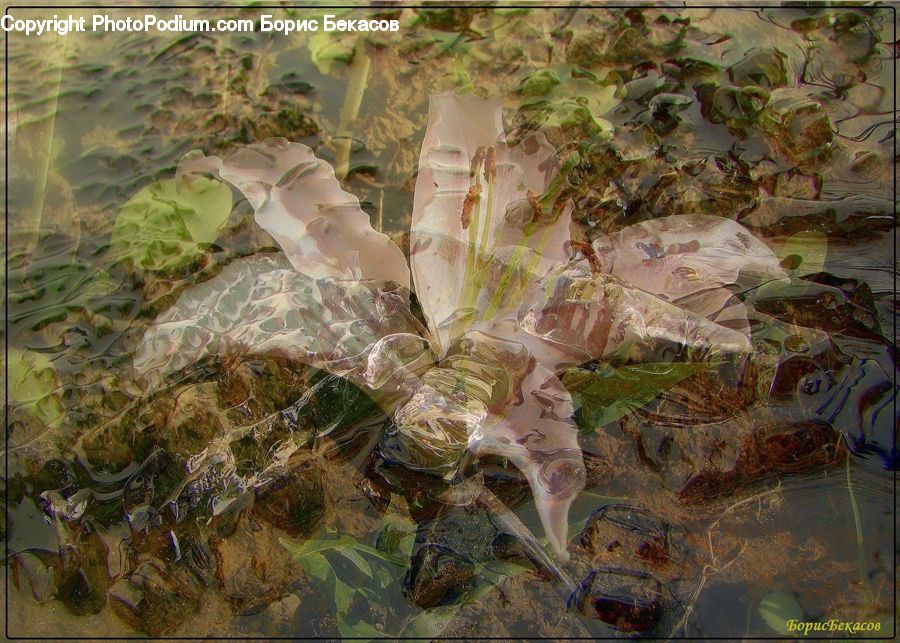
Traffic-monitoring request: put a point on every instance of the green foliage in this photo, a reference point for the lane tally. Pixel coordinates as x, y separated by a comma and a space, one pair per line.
372, 571
344, 545
395, 541
539, 83
559, 98
163, 226
349, 570
804, 253
33, 383
329, 47
605, 395
777, 609
451, 20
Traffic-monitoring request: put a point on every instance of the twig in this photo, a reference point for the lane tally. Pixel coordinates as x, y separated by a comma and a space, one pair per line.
712, 569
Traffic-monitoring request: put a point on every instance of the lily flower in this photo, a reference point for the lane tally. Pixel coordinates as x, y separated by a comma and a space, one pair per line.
509, 300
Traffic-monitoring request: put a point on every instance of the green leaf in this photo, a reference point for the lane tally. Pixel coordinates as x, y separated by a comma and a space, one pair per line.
777, 609
375, 595
430, 623
539, 83
384, 576
316, 565
329, 47
358, 630
556, 99
605, 395
354, 557
33, 383
163, 225
342, 545
396, 540
31, 376
343, 596
804, 253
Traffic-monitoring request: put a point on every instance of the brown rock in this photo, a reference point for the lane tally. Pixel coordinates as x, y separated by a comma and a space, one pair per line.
296, 501
153, 600
628, 601
253, 568
771, 450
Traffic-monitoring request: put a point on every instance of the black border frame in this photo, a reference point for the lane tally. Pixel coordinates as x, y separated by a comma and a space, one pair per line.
637, 4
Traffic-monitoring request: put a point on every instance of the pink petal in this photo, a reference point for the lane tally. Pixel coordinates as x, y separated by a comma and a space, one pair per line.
582, 315
539, 437
441, 241
298, 200
261, 306
692, 261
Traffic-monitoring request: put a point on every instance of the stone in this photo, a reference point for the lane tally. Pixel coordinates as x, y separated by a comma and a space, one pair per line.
253, 568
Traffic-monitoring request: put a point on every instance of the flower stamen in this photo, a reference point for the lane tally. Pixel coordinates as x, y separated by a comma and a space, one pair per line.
586, 250
471, 199
534, 202
490, 164
477, 160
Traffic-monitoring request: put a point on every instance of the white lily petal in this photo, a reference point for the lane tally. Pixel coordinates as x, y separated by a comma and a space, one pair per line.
584, 315
692, 261
539, 437
475, 197
298, 200
259, 305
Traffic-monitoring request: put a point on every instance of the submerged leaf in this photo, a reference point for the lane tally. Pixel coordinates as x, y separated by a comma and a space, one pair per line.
804, 253
604, 395
345, 545
316, 564
33, 384
379, 569
430, 623
329, 48
359, 630
163, 226
777, 609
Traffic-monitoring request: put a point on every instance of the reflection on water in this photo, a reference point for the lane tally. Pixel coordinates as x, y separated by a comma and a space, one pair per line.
251, 495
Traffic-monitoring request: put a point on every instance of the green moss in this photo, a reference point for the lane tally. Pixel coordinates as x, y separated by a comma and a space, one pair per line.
295, 123
539, 83
760, 67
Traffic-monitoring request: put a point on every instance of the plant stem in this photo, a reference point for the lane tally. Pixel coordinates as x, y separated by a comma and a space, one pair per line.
857, 523
356, 87
546, 201
39, 194
379, 218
